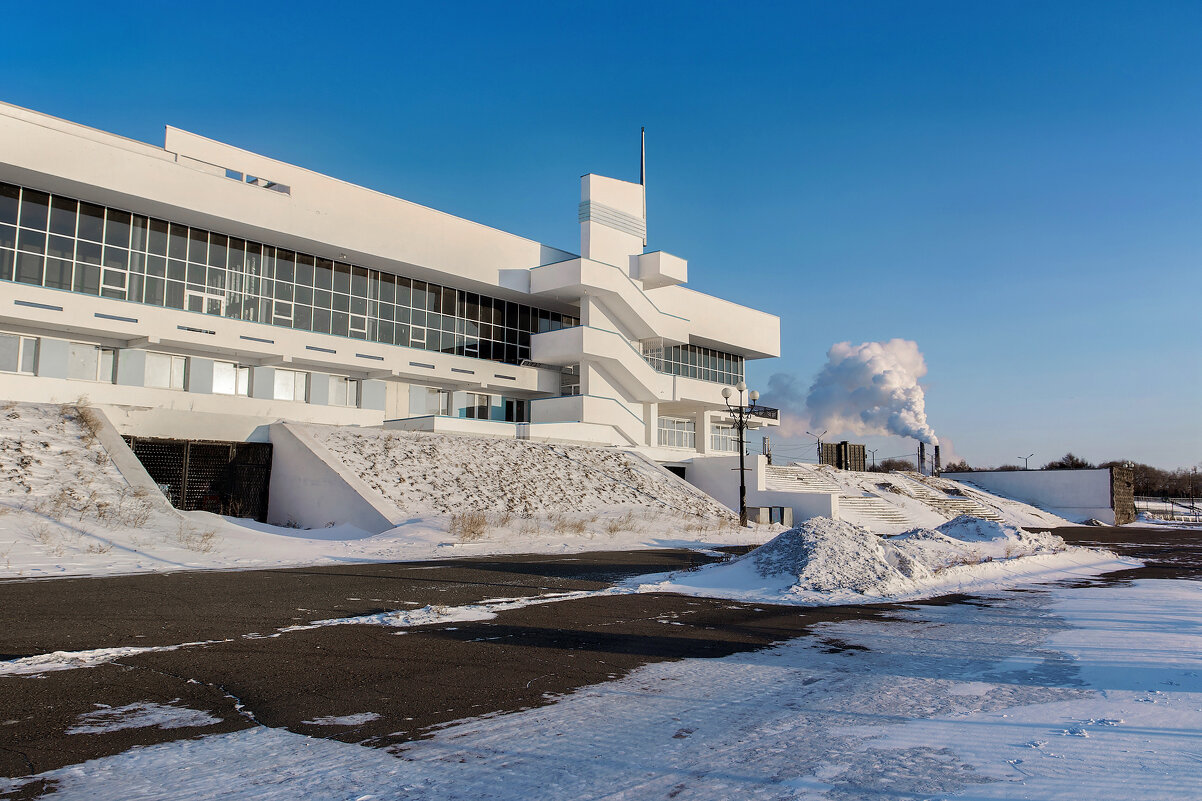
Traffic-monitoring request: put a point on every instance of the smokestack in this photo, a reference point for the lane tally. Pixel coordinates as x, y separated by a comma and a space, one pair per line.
922, 458
938, 464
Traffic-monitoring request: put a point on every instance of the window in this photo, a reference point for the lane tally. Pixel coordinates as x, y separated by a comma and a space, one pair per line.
477, 406
291, 385
428, 401
165, 371
677, 432
692, 361
18, 354
516, 411
230, 379
569, 380
343, 391
724, 438
60, 242
90, 363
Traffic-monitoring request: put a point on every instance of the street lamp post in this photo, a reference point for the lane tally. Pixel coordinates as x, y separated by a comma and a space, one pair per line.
1025, 458
873, 452
818, 437
740, 414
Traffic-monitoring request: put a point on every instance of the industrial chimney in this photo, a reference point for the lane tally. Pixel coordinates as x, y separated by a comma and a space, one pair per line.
922, 458
938, 465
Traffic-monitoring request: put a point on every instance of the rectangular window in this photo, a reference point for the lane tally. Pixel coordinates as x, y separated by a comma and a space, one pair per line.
90, 363
428, 401
166, 371
230, 379
569, 380
478, 406
18, 354
291, 385
677, 432
724, 438
343, 391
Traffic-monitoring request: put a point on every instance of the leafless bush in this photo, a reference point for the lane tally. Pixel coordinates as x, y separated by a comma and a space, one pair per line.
89, 421
196, 540
99, 547
469, 526
623, 523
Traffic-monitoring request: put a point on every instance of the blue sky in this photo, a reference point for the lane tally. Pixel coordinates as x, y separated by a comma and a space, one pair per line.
1017, 187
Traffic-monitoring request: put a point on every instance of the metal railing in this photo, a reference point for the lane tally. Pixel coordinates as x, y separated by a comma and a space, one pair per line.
1189, 509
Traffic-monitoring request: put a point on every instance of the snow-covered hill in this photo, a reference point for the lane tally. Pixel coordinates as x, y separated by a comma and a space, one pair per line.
449, 473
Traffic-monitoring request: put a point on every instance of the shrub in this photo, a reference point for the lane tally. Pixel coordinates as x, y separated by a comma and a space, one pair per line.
469, 526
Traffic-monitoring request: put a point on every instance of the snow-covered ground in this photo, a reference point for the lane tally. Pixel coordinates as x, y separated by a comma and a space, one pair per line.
824, 561
65, 510
1065, 693
893, 502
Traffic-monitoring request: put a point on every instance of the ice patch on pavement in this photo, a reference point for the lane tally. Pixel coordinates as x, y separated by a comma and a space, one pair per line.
343, 720
825, 561
70, 660
432, 614
140, 716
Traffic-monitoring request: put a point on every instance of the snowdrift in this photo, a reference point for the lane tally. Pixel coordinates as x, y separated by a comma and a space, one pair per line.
825, 561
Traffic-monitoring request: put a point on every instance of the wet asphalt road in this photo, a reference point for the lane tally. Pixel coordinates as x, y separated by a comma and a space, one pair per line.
415, 679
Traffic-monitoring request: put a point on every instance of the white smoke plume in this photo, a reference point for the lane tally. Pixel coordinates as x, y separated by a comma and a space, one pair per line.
870, 388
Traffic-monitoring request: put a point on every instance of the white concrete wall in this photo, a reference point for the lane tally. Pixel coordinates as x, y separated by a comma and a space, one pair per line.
310, 487
1076, 494
718, 477
322, 214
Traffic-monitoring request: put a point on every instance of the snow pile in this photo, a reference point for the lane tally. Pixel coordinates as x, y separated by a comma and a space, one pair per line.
451, 473
825, 561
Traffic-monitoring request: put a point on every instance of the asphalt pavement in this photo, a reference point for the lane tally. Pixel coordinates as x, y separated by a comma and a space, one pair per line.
415, 679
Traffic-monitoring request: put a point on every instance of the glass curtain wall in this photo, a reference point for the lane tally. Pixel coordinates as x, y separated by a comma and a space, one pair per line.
62, 243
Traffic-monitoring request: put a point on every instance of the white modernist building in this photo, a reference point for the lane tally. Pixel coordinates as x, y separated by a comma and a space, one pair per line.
200, 291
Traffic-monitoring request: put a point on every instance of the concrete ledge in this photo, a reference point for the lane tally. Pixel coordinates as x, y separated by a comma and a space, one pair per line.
127, 463
311, 487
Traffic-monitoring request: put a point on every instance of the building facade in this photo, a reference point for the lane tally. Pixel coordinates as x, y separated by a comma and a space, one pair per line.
199, 290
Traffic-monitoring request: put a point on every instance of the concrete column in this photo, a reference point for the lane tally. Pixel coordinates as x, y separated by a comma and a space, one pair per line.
319, 389
53, 356
701, 421
200, 375
131, 367
262, 382
397, 400
651, 424
372, 394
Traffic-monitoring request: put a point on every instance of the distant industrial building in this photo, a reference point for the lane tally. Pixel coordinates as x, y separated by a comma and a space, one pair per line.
843, 455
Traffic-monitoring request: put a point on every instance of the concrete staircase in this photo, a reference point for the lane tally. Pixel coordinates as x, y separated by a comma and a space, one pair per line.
873, 508
948, 505
798, 479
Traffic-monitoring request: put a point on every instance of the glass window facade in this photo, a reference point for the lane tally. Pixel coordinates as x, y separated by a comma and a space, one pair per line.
677, 432
694, 361
62, 243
